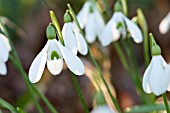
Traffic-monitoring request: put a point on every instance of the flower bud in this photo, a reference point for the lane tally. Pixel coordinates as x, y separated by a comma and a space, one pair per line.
50, 32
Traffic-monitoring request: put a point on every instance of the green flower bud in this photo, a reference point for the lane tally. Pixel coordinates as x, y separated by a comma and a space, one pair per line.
67, 17
156, 50
118, 7
99, 98
50, 32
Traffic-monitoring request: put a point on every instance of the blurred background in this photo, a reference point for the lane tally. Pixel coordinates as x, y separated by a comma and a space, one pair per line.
27, 21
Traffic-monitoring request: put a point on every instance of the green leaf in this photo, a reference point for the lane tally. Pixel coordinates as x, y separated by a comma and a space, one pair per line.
145, 108
20, 110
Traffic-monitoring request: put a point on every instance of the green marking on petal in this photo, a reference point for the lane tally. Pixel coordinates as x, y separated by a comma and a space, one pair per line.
54, 54
119, 25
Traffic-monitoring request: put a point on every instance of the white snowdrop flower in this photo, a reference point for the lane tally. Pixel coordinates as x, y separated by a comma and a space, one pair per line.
5, 48
103, 109
165, 24
157, 76
53, 54
73, 39
117, 26
90, 18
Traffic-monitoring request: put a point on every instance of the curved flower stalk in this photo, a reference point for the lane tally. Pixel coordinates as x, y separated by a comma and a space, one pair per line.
118, 26
53, 54
165, 24
156, 77
90, 18
73, 39
103, 109
5, 48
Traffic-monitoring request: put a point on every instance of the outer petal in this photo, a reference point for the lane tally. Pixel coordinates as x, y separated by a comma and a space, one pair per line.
165, 24
72, 61
55, 66
159, 79
82, 45
134, 30
38, 65
69, 37
145, 84
6, 41
110, 33
103, 109
90, 29
82, 16
3, 70
4, 49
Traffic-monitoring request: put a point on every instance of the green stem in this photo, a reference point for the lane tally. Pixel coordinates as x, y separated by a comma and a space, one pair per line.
124, 6
166, 103
30, 86
143, 24
46, 101
79, 92
24, 75
94, 61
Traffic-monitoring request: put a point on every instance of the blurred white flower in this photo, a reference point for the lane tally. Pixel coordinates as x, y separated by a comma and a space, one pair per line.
103, 109
157, 76
53, 53
5, 48
90, 18
73, 39
117, 27
165, 24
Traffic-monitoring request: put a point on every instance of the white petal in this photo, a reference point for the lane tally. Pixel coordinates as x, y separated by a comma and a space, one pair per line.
99, 23
82, 16
134, 30
90, 29
4, 51
3, 70
159, 79
103, 109
38, 65
73, 62
70, 40
110, 32
82, 45
6, 41
165, 24
145, 83
55, 66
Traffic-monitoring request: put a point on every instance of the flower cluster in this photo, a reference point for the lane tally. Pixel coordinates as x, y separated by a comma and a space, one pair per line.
118, 26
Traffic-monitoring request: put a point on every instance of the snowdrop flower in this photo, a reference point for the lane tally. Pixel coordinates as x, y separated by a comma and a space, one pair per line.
165, 24
73, 39
118, 26
53, 54
90, 18
5, 48
103, 109
157, 75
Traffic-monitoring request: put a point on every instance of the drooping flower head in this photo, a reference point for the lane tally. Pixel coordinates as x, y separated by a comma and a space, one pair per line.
53, 55
156, 78
165, 24
118, 26
90, 18
5, 48
72, 37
